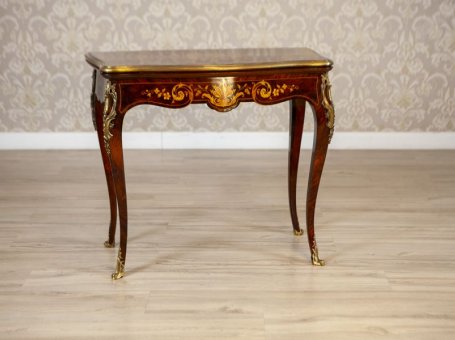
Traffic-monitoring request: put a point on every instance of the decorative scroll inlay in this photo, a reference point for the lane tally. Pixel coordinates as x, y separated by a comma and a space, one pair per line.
328, 104
223, 95
110, 100
264, 90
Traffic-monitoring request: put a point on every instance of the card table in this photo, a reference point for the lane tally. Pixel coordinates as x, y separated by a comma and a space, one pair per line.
221, 79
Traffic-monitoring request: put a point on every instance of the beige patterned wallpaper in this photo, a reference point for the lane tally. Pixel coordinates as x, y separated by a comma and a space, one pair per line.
394, 59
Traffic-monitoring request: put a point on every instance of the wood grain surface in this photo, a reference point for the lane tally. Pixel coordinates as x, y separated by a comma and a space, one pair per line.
211, 249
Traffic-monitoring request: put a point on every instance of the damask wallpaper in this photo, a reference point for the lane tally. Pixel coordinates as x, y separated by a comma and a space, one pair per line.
394, 59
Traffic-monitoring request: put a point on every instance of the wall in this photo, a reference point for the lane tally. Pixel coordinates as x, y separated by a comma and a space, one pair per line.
394, 59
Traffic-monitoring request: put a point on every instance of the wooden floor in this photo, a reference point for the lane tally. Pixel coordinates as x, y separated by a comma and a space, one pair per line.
211, 252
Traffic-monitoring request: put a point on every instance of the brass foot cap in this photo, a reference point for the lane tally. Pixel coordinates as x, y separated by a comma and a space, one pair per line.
107, 244
298, 232
318, 262
117, 275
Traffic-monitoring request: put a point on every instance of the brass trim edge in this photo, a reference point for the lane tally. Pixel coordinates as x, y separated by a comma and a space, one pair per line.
209, 68
98, 64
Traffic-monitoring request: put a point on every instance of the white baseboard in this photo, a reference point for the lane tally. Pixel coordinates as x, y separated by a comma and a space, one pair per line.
227, 140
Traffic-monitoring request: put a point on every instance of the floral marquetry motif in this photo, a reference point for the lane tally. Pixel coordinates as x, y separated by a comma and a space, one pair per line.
179, 95
223, 95
263, 90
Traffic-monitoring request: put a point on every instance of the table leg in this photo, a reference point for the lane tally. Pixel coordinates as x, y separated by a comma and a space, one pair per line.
110, 243
297, 117
320, 145
97, 113
120, 189
112, 135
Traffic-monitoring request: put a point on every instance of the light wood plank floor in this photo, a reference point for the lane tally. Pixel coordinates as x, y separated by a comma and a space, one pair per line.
211, 251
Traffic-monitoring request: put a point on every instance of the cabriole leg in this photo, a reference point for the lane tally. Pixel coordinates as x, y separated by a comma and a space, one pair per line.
98, 114
120, 188
297, 117
112, 135
324, 118
320, 145
98, 118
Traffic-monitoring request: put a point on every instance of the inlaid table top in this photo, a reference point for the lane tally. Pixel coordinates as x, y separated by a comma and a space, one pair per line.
206, 60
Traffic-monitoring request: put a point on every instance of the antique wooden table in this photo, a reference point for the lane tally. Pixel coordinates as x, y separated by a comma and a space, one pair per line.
221, 79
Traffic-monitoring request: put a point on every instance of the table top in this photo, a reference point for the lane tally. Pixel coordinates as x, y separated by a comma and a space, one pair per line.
205, 60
